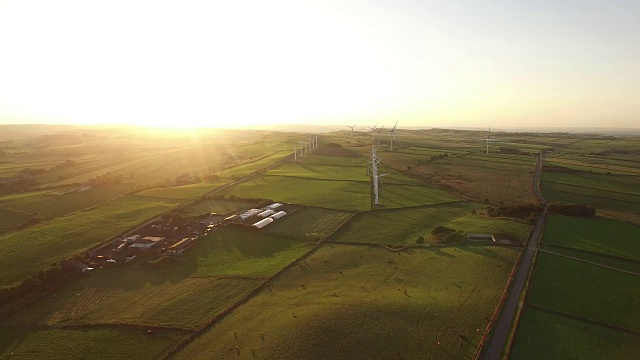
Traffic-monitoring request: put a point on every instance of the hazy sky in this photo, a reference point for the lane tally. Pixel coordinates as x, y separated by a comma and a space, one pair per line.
226, 63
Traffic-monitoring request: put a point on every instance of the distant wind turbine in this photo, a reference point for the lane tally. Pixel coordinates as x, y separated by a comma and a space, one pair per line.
393, 134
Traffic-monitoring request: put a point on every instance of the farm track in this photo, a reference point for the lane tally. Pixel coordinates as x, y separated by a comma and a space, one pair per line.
498, 340
589, 262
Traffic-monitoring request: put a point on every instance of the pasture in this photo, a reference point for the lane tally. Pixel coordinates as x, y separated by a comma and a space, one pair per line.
10, 219
185, 192
234, 251
27, 251
322, 172
399, 196
218, 206
542, 335
484, 177
52, 205
85, 343
333, 194
586, 290
433, 303
309, 223
142, 297
619, 193
599, 235
404, 226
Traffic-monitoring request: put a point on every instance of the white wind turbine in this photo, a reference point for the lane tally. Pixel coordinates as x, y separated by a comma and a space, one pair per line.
393, 134
488, 139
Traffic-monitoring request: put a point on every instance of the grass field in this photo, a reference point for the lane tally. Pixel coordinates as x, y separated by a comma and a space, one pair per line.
309, 223
231, 251
316, 159
621, 193
141, 297
218, 206
25, 252
472, 178
51, 206
322, 172
10, 219
404, 226
398, 196
341, 195
600, 235
332, 306
542, 335
180, 192
89, 343
586, 290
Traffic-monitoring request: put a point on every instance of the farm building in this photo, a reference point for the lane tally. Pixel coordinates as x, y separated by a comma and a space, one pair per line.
132, 238
481, 237
179, 247
262, 223
266, 213
274, 206
141, 246
231, 218
155, 239
278, 215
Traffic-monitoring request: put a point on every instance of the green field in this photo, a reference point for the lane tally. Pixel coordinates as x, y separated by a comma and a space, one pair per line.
141, 297
542, 335
341, 195
218, 206
184, 192
621, 193
85, 343
322, 172
25, 252
333, 304
10, 219
309, 223
50, 205
335, 160
404, 226
599, 235
231, 251
398, 196
586, 290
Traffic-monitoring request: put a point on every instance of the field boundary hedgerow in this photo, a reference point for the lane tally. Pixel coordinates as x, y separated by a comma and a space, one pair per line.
589, 252
591, 262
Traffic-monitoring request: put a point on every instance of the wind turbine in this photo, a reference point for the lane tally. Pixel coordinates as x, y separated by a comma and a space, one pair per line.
372, 135
295, 153
488, 139
393, 134
351, 127
379, 130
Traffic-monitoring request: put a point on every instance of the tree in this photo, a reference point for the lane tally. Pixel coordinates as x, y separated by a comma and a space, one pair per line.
420, 240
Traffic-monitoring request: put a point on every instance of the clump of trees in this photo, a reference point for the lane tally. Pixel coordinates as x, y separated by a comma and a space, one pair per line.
439, 157
528, 212
513, 151
579, 210
439, 230
50, 278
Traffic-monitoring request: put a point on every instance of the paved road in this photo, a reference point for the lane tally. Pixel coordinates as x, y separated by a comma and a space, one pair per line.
498, 341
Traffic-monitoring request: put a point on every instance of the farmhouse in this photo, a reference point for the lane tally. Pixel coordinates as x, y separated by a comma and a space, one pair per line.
179, 247
481, 237
262, 223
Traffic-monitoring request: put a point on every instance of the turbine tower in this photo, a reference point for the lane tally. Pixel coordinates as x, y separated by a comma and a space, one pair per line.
374, 174
295, 153
488, 139
351, 127
372, 134
380, 130
393, 134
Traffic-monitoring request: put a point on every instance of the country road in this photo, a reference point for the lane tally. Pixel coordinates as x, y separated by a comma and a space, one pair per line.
500, 335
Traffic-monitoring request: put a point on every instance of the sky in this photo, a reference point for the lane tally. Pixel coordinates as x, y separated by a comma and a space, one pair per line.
465, 63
